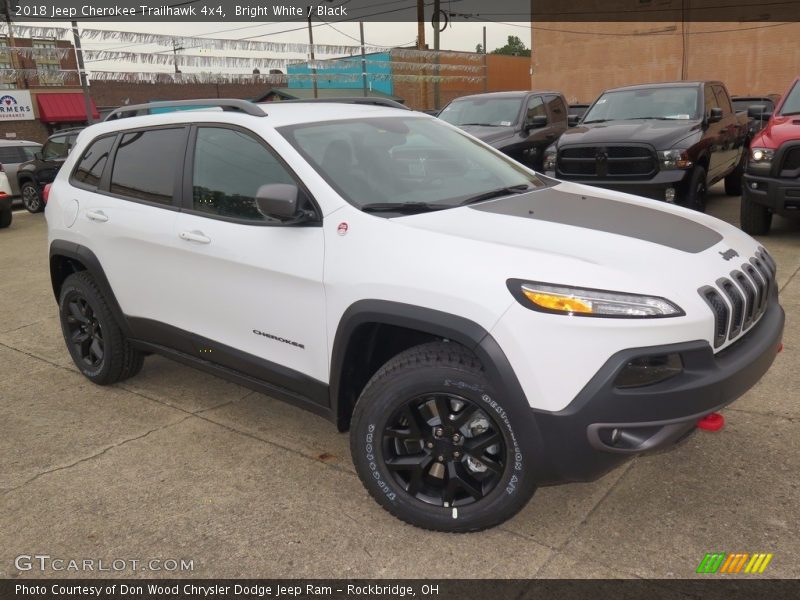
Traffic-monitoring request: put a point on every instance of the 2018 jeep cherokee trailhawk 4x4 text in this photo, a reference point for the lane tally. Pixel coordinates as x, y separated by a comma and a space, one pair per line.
480, 329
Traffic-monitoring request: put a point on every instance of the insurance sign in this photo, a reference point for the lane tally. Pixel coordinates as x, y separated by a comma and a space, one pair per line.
16, 106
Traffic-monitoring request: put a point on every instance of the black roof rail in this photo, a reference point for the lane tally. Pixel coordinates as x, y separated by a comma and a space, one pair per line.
387, 102
229, 104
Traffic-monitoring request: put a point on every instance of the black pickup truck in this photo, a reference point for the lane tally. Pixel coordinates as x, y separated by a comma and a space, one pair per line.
519, 124
668, 141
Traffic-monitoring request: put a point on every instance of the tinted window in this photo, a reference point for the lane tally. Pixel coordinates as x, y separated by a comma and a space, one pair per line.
557, 108
29, 152
742, 104
229, 167
494, 111
94, 160
792, 104
146, 163
645, 103
56, 147
722, 100
11, 154
535, 108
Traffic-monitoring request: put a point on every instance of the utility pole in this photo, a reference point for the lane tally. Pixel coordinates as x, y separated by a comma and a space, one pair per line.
11, 43
421, 46
311, 47
436, 87
363, 60
485, 65
82, 72
175, 50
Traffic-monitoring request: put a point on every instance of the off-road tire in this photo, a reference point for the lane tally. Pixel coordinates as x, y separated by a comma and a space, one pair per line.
755, 218
119, 359
451, 370
5, 218
694, 196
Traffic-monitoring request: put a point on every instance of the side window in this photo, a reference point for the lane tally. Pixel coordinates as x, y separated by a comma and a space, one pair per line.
56, 147
229, 167
90, 168
535, 108
722, 100
146, 163
557, 108
711, 100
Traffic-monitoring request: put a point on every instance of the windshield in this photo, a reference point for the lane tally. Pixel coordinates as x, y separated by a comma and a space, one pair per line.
742, 104
647, 103
792, 104
495, 112
404, 160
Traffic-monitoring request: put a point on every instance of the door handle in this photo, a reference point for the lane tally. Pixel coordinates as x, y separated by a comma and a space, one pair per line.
195, 236
97, 216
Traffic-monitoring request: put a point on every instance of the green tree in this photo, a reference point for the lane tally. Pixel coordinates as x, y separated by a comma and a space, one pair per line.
514, 47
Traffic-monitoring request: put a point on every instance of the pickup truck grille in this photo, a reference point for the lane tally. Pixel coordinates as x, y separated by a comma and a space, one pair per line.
607, 161
738, 301
791, 163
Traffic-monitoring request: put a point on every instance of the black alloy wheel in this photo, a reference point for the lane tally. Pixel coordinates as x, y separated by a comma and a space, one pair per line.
84, 332
444, 450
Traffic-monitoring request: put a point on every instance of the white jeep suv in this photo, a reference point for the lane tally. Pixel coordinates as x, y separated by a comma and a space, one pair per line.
479, 328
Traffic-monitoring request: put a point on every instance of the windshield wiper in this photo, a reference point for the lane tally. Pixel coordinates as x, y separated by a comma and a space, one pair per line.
596, 121
408, 208
506, 191
479, 124
791, 114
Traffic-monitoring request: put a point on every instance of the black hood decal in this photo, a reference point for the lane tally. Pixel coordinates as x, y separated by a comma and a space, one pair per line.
610, 216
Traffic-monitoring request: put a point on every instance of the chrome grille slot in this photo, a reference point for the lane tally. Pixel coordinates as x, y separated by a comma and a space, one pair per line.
721, 314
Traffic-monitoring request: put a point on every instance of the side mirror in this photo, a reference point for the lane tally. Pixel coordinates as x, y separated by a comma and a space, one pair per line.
37, 155
573, 120
758, 112
278, 201
715, 115
536, 122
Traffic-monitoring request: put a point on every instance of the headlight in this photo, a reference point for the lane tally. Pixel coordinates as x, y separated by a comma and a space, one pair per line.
761, 157
550, 159
585, 302
674, 159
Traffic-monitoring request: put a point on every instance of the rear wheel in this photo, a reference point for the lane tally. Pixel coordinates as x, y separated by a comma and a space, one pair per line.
5, 218
94, 339
435, 447
31, 198
756, 219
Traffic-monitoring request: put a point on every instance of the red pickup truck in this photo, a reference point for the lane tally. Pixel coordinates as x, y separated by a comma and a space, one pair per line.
772, 175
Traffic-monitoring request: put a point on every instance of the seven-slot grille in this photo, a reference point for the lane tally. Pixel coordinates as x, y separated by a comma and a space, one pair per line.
739, 301
607, 161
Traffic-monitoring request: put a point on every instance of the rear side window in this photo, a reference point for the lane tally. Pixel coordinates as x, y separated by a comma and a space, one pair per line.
12, 154
229, 167
90, 168
147, 163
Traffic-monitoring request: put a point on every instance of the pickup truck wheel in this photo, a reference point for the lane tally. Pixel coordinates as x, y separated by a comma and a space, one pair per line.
31, 198
94, 339
695, 194
756, 219
434, 447
5, 218
733, 181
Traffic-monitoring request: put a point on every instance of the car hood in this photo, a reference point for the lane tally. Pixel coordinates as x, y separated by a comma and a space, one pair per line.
488, 134
779, 130
662, 135
600, 234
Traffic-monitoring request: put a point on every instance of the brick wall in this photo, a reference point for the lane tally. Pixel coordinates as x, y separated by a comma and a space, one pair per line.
753, 58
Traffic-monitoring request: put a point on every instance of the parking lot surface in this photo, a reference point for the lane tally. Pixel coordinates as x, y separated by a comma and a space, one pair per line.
176, 464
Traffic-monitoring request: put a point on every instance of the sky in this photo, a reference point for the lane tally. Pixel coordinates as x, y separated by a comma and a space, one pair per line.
458, 36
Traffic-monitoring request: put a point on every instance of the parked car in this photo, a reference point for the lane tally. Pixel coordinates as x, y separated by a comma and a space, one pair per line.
34, 174
5, 201
519, 124
766, 106
479, 328
772, 176
12, 153
668, 141
575, 113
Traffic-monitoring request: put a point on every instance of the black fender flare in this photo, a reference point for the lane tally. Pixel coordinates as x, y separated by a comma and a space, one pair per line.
88, 259
445, 325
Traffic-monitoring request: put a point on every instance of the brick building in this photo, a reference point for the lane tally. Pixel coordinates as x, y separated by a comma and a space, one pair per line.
583, 59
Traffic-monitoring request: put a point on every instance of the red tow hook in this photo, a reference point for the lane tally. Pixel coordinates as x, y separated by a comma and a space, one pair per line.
712, 422
780, 348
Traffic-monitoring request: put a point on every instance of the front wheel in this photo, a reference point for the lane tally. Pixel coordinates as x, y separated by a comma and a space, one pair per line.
695, 194
5, 218
31, 198
755, 218
435, 447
